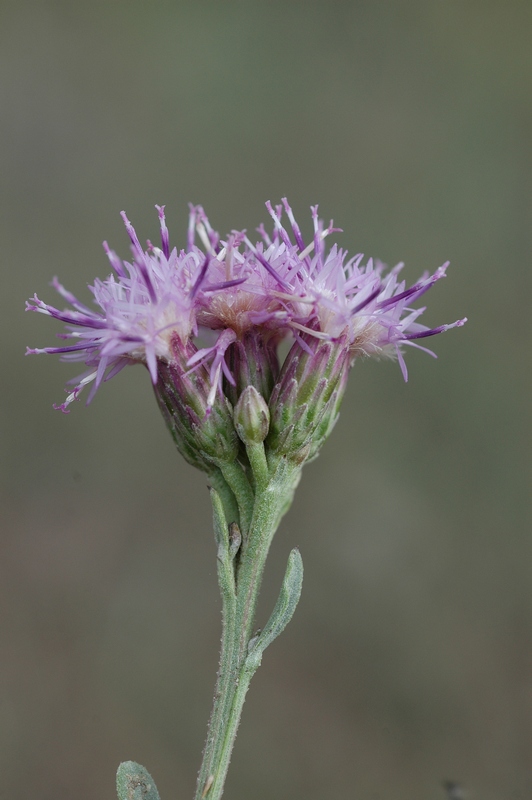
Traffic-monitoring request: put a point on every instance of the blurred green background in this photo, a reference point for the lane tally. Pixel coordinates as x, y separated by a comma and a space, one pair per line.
409, 660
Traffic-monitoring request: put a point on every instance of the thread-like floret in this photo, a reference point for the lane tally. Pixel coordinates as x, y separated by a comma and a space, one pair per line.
214, 296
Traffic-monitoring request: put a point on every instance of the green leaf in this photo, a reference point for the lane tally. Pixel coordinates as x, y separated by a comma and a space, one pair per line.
228, 543
283, 611
221, 529
133, 782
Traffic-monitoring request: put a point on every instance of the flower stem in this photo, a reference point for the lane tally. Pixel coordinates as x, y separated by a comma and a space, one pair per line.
240, 579
236, 480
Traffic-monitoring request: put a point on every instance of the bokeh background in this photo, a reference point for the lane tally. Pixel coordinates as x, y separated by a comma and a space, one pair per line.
409, 660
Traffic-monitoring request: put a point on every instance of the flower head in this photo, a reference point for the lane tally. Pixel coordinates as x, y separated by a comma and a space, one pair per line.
330, 296
219, 309
144, 308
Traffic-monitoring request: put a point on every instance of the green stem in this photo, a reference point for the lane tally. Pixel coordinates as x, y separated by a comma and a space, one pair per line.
259, 464
218, 482
215, 782
236, 478
239, 598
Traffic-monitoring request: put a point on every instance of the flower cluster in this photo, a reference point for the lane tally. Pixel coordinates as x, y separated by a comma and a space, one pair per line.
209, 318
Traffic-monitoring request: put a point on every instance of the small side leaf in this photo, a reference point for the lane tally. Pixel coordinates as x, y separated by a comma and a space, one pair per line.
221, 529
235, 540
284, 608
133, 782
228, 540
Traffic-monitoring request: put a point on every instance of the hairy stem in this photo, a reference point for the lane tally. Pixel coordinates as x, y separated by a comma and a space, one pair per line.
239, 586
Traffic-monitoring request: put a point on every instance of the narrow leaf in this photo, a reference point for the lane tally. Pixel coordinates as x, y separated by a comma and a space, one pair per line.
221, 530
225, 539
285, 606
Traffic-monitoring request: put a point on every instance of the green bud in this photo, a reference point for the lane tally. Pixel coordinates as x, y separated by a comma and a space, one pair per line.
251, 417
306, 399
253, 361
204, 435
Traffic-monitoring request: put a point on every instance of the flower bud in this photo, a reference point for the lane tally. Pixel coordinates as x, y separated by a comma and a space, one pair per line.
204, 435
305, 402
253, 361
251, 416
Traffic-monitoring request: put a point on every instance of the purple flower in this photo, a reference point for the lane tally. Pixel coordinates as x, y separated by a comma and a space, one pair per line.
330, 297
146, 308
205, 308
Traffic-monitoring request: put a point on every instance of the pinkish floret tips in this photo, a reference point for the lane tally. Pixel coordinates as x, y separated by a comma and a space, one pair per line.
206, 298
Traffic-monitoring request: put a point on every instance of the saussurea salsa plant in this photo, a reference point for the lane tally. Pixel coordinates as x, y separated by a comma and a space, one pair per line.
207, 321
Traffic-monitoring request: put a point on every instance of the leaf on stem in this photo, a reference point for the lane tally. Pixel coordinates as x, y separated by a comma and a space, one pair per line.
221, 531
235, 540
228, 543
283, 611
